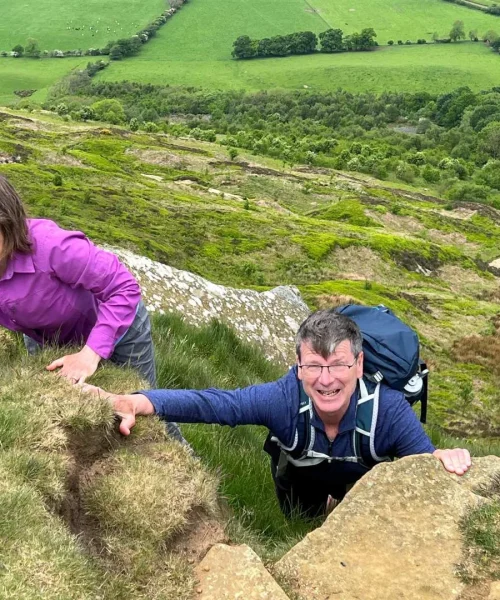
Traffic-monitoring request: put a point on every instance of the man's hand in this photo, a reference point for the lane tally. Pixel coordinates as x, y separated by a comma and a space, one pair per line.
127, 407
76, 367
454, 461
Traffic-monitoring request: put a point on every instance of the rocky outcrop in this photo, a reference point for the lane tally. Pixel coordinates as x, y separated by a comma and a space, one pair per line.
395, 536
232, 572
269, 319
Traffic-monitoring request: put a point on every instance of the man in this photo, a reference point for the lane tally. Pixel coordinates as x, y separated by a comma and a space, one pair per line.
328, 375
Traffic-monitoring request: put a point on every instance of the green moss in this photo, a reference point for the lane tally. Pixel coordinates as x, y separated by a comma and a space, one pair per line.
348, 211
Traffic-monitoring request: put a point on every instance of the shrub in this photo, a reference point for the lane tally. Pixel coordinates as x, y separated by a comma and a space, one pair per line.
431, 174
400, 42
467, 192
390, 42
57, 180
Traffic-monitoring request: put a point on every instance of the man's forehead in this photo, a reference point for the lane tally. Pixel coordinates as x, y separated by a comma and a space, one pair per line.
341, 349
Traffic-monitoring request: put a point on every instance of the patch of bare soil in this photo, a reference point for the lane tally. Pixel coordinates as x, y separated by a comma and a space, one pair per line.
52, 158
399, 223
359, 263
196, 540
464, 280
255, 169
87, 452
478, 591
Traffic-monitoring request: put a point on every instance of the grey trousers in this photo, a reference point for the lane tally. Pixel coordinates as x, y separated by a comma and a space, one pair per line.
134, 349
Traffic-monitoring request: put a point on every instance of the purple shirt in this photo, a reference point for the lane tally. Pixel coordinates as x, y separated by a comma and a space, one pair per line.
68, 291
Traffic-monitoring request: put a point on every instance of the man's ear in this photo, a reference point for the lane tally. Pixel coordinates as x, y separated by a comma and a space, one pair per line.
359, 365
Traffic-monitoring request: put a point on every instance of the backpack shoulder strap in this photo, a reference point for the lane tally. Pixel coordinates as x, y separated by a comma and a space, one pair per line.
366, 423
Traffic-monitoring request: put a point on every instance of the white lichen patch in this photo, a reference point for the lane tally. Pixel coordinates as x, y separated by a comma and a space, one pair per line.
269, 319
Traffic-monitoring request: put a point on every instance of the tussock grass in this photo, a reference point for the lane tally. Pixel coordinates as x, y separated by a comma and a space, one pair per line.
86, 514
481, 535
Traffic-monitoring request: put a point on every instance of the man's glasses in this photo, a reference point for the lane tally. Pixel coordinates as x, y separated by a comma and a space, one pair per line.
336, 370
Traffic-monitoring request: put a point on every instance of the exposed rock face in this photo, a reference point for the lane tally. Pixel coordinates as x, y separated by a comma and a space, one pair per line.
232, 572
269, 319
394, 537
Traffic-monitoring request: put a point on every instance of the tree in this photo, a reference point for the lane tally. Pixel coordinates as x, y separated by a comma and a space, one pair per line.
331, 40
367, 38
490, 36
32, 48
244, 47
302, 42
473, 35
457, 31
109, 110
490, 137
19, 50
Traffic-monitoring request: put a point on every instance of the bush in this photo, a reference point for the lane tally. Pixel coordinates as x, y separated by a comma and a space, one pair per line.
390, 42
405, 172
57, 180
467, 192
400, 42
431, 174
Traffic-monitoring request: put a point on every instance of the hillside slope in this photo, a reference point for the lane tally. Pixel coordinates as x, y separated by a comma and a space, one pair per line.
250, 223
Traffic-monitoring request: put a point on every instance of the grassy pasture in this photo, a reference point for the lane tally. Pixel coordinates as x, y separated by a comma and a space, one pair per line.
29, 74
402, 19
195, 50
435, 68
53, 22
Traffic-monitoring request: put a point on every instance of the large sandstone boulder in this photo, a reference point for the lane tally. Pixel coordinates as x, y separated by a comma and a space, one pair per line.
395, 536
232, 572
269, 319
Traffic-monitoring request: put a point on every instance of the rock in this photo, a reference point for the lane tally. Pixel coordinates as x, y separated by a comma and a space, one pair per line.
235, 572
394, 537
483, 472
494, 591
269, 319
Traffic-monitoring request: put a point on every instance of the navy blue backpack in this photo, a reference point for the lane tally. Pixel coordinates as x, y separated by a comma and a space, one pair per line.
391, 352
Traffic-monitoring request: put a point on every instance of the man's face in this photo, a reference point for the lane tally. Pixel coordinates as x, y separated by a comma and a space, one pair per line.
330, 392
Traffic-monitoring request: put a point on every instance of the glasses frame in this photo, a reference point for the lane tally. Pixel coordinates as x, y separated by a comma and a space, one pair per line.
328, 367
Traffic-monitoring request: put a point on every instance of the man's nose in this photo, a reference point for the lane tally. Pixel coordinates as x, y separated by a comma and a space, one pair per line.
326, 377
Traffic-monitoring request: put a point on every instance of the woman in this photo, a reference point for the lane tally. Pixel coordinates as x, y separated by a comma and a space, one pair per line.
58, 288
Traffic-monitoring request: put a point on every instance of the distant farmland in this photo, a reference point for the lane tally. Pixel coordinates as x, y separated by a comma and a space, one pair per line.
72, 24
195, 47
29, 74
434, 68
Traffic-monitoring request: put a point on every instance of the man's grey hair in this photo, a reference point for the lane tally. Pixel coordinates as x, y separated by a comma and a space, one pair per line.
324, 330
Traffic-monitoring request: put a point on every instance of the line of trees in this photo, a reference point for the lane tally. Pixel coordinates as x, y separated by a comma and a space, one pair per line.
304, 42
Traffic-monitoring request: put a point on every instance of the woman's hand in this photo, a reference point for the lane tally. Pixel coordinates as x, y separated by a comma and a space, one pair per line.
77, 367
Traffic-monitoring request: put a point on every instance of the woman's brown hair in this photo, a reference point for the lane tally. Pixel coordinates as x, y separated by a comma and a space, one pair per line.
12, 222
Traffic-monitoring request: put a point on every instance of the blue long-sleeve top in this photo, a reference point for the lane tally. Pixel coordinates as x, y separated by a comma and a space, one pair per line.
275, 405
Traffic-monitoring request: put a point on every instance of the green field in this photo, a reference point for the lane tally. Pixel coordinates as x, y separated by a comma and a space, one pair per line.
29, 74
402, 19
195, 50
434, 68
53, 22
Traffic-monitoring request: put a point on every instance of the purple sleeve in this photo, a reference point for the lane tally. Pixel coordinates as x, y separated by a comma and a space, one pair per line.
76, 261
